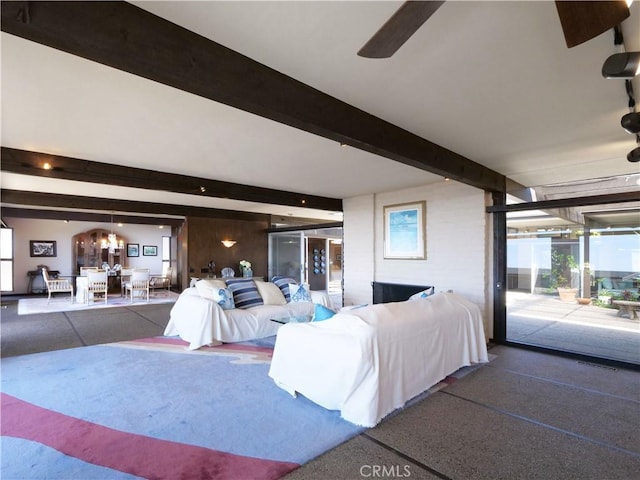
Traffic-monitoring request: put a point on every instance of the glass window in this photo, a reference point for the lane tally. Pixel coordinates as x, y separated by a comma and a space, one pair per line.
6, 259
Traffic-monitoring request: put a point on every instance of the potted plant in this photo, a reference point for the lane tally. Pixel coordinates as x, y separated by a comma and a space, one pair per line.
604, 296
562, 267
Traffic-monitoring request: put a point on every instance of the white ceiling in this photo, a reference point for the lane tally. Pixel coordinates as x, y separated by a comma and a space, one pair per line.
493, 81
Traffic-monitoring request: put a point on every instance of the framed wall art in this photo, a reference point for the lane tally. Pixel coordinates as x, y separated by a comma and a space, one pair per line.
149, 250
133, 250
42, 248
405, 231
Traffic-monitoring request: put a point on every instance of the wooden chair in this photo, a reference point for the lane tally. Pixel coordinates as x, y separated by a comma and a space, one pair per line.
84, 270
139, 284
97, 284
125, 277
161, 282
56, 285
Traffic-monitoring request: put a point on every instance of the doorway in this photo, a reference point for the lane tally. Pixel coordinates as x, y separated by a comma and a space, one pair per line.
566, 279
312, 256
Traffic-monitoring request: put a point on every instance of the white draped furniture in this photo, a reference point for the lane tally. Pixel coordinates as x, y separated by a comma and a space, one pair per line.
201, 321
369, 361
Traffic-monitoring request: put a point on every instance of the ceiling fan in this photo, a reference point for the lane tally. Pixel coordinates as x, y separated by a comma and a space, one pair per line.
580, 21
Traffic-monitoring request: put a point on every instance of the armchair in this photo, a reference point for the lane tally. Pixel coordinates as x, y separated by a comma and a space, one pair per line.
57, 285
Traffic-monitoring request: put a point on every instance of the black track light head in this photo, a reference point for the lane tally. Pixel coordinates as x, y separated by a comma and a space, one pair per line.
634, 155
631, 122
621, 65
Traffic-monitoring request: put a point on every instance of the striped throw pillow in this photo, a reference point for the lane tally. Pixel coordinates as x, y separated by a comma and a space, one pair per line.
245, 292
283, 285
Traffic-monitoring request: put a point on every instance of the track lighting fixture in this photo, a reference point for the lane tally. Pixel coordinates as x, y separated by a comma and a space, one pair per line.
634, 155
622, 65
631, 122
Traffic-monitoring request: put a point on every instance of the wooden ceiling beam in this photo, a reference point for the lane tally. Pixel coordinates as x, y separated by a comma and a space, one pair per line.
75, 216
31, 163
57, 200
128, 38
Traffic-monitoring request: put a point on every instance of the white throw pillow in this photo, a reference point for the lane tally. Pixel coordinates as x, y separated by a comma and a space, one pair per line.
270, 293
299, 293
208, 288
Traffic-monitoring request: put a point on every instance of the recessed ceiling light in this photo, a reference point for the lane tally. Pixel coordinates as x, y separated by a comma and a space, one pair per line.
47, 166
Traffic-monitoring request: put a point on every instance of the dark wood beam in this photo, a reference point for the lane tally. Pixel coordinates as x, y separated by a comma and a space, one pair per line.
75, 216
604, 199
39, 199
128, 38
31, 163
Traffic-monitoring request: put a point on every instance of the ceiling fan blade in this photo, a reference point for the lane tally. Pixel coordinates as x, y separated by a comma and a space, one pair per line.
582, 21
397, 30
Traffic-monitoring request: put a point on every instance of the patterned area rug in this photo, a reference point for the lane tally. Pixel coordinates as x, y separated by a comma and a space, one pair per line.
30, 306
150, 408
153, 409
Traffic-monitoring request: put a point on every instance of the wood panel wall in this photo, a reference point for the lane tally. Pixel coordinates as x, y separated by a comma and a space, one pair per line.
203, 236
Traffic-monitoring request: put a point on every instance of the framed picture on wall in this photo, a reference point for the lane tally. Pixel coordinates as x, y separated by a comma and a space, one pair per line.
149, 250
405, 231
42, 248
133, 250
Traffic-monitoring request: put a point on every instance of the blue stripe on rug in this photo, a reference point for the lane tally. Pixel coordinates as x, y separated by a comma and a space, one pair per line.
198, 400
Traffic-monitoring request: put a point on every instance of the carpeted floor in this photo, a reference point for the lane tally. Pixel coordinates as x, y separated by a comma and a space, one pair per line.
32, 306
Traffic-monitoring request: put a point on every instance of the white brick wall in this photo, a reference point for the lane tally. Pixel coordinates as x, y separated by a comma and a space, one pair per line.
358, 249
457, 238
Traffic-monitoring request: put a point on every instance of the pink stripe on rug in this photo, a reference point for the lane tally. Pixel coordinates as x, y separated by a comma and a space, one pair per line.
127, 452
223, 346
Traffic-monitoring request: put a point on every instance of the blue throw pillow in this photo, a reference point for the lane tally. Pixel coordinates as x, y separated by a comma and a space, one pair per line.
283, 285
322, 313
224, 298
299, 293
423, 294
245, 292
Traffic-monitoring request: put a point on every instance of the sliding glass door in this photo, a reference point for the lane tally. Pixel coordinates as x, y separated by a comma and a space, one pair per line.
575, 285
309, 256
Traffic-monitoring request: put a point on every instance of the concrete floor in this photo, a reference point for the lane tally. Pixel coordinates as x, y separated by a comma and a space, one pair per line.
526, 415
544, 320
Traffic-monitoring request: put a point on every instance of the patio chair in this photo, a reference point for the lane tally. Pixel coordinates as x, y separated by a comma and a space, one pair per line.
56, 285
97, 284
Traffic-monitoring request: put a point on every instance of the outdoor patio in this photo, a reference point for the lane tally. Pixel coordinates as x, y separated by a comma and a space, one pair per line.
544, 320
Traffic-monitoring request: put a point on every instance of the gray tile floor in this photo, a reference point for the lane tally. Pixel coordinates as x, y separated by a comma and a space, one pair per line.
525, 415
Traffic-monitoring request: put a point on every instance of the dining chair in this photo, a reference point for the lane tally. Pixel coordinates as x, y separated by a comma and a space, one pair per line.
84, 270
125, 277
56, 285
138, 286
97, 284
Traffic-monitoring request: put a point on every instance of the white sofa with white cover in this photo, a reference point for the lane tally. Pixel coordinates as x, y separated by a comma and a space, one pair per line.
369, 361
199, 318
